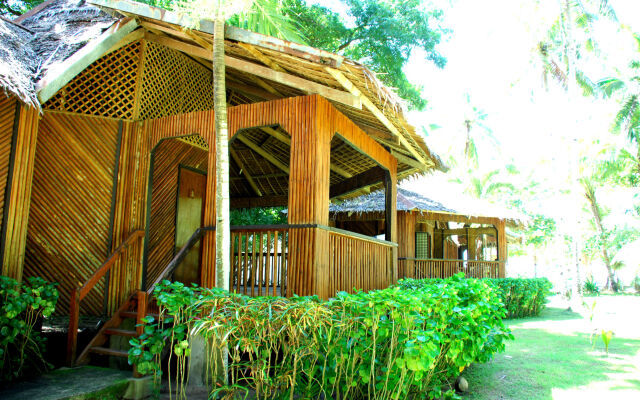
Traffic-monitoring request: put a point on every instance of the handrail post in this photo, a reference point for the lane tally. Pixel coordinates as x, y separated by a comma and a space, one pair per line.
72, 334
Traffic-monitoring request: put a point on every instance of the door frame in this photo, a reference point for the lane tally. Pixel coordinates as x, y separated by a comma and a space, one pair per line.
204, 199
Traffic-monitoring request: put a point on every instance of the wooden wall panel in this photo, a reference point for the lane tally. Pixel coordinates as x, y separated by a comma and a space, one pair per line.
18, 191
7, 114
68, 232
406, 242
450, 250
311, 121
129, 213
168, 156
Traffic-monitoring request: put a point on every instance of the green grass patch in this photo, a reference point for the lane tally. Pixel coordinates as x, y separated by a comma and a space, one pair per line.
552, 357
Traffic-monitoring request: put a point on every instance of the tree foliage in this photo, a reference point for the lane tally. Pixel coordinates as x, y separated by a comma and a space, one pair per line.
381, 34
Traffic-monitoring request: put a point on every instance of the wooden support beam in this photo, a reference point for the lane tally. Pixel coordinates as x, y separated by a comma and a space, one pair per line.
263, 153
62, 73
252, 183
347, 84
262, 72
278, 135
370, 177
130, 38
287, 140
142, 10
475, 231
379, 135
261, 57
409, 161
305, 85
252, 90
264, 201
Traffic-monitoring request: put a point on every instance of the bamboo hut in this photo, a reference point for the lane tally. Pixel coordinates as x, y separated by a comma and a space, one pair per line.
108, 159
434, 241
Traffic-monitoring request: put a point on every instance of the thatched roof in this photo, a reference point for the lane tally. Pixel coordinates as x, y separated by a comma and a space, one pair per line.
18, 62
63, 27
374, 202
44, 40
412, 201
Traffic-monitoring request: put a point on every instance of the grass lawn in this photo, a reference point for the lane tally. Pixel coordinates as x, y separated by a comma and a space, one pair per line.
552, 357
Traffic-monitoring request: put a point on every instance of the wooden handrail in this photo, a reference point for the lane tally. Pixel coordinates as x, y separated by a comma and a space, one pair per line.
180, 255
78, 293
106, 266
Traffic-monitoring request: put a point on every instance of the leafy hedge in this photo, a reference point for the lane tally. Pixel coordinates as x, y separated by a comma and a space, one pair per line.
21, 306
385, 344
522, 297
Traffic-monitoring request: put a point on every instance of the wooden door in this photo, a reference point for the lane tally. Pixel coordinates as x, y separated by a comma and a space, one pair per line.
189, 214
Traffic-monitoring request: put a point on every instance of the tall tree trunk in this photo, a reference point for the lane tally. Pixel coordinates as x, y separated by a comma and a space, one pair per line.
223, 242
590, 194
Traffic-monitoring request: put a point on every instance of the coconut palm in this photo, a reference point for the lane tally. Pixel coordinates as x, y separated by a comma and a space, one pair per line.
261, 15
474, 121
627, 119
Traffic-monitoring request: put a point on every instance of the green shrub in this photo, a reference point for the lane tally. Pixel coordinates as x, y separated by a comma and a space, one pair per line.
521, 297
590, 287
384, 344
21, 306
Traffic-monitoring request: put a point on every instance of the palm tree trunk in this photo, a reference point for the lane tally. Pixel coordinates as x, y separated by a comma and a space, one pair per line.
223, 242
590, 194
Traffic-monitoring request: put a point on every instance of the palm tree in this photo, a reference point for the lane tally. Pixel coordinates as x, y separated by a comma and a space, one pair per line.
474, 118
627, 119
590, 194
263, 16
569, 38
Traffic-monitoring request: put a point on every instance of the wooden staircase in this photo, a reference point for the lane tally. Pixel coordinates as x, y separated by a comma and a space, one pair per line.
135, 308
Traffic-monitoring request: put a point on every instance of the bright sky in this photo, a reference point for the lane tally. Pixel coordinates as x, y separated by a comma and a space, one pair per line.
491, 56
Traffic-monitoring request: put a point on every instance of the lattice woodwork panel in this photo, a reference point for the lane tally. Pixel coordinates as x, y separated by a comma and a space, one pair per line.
106, 88
68, 228
344, 156
196, 141
7, 114
168, 156
173, 84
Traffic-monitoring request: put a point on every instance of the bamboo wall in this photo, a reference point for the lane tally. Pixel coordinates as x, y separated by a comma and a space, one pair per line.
68, 234
167, 157
18, 192
7, 116
406, 242
129, 208
311, 122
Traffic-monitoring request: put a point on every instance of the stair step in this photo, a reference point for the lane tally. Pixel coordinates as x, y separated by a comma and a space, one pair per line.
134, 315
120, 332
109, 352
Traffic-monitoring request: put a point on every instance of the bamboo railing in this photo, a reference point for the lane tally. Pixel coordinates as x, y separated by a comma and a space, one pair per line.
259, 259
132, 245
438, 268
359, 262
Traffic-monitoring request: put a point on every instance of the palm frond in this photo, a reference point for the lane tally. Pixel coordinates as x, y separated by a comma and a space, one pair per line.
608, 86
628, 118
589, 88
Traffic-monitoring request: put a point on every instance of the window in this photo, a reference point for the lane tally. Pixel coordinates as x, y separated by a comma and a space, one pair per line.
423, 245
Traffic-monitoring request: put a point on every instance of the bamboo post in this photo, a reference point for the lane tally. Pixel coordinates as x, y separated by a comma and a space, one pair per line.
72, 334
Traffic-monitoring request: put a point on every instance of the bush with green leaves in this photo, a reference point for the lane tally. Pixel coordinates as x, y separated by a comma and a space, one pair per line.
21, 306
384, 344
521, 297
590, 287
